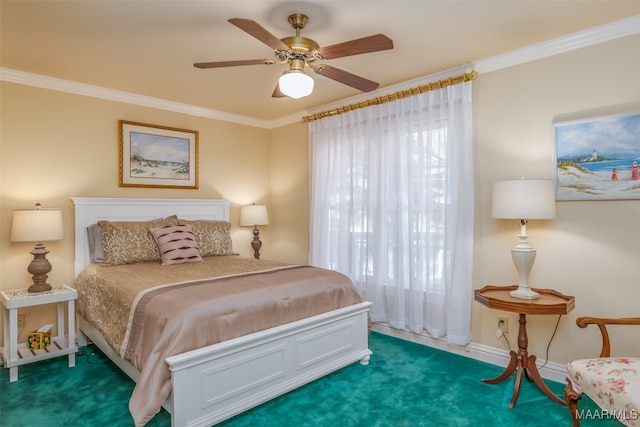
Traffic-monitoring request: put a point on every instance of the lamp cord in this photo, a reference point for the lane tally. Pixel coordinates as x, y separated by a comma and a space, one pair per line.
90, 355
548, 345
507, 340
546, 358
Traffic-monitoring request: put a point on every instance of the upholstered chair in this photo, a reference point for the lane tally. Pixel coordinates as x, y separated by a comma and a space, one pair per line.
613, 383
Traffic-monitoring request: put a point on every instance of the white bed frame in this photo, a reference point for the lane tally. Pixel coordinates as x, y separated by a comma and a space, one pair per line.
216, 382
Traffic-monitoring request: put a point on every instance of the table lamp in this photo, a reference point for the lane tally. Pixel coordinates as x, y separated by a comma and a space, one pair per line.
524, 200
254, 215
37, 225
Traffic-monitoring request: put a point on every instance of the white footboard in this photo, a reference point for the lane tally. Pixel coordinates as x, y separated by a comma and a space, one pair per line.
217, 382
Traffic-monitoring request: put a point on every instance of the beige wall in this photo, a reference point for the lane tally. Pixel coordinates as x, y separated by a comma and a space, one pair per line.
289, 212
57, 145
592, 249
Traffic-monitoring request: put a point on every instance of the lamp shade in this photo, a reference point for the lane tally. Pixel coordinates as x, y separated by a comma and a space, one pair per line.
36, 225
254, 215
524, 199
295, 84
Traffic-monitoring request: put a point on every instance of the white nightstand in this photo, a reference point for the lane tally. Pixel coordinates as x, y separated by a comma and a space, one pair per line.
15, 354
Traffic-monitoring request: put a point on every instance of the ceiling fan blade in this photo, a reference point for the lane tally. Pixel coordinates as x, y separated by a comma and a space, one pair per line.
256, 30
347, 78
221, 64
276, 92
368, 44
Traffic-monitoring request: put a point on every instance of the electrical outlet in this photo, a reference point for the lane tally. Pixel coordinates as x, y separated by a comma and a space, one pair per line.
503, 324
21, 320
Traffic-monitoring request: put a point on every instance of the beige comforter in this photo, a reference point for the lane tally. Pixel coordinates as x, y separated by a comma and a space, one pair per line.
148, 312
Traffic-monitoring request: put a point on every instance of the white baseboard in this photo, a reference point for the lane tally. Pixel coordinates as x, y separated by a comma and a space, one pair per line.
551, 370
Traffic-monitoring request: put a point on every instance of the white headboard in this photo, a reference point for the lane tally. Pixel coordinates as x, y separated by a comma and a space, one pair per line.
89, 210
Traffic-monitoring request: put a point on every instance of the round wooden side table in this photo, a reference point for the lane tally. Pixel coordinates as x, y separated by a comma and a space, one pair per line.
549, 302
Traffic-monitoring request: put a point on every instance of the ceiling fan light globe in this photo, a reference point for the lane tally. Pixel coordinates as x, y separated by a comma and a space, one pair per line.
295, 84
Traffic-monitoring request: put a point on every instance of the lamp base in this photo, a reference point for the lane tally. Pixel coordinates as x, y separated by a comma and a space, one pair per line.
256, 243
524, 293
523, 257
39, 287
39, 267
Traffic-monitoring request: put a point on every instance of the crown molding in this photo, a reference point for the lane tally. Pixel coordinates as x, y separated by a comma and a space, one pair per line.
30, 79
603, 33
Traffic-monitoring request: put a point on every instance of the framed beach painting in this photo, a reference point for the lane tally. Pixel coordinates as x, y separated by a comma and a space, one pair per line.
598, 158
157, 156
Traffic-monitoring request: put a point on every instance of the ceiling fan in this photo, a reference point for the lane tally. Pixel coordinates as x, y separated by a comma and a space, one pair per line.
298, 51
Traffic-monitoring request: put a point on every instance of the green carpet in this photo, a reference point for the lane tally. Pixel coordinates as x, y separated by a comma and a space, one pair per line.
406, 384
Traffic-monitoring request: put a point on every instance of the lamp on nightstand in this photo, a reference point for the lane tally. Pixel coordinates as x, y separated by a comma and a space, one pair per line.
523, 200
37, 225
254, 215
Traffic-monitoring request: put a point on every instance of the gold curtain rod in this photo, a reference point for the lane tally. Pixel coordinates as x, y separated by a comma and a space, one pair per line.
395, 96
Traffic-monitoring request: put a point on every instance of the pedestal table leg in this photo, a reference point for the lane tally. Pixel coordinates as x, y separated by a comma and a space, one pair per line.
523, 364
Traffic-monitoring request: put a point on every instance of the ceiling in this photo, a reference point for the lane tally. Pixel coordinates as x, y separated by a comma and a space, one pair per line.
148, 47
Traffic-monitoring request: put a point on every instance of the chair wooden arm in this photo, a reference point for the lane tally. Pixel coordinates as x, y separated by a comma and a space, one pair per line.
582, 322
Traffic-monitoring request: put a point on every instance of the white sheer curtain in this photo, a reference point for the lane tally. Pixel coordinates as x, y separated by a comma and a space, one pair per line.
392, 208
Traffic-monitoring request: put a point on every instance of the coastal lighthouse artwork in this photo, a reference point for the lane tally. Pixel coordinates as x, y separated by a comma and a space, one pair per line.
597, 158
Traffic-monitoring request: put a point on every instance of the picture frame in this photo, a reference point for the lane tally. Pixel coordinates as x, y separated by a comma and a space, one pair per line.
598, 158
155, 156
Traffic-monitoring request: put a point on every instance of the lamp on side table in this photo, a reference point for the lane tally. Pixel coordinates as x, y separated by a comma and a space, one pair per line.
254, 215
523, 200
37, 225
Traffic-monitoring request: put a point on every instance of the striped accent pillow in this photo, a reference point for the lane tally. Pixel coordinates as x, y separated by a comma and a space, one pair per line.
176, 243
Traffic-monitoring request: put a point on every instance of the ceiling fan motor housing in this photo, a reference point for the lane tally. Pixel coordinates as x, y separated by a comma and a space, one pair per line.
300, 44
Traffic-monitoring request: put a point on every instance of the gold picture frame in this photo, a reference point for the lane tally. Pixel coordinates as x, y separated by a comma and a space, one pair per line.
155, 156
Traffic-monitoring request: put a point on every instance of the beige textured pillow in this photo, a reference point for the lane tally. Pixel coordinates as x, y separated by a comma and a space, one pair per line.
176, 243
212, 237
126, 242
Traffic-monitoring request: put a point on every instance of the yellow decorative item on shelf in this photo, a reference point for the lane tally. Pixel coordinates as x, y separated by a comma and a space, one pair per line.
40, 339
